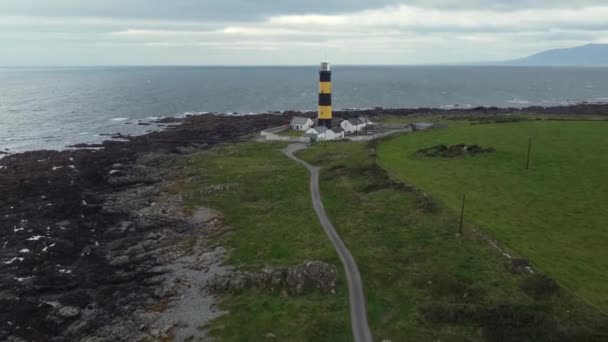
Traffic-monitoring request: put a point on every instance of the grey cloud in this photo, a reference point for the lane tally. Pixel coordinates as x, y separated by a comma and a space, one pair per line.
249, 10
219, 10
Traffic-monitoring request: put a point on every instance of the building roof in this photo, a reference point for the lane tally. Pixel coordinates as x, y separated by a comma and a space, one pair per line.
337, 130
336, 121
364, 119
320, 129
299, 120
354, 121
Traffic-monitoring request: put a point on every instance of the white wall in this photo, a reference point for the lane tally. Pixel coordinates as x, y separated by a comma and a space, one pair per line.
302, 127
271, 135
347, 127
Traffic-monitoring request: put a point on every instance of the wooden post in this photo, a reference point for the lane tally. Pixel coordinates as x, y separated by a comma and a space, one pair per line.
464, 197
529, 150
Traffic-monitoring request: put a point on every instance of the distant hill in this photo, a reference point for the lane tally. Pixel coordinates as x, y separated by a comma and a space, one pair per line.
586, 55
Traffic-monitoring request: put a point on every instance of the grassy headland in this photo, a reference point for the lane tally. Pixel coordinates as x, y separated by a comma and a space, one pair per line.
422, 281
265, 199
553, 213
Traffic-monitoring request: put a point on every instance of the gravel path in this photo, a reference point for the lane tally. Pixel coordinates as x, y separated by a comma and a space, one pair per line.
358, 312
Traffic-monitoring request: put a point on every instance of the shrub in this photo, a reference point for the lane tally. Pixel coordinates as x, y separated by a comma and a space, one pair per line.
539, 286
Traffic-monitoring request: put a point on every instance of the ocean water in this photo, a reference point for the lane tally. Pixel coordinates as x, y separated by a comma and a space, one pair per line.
55, 107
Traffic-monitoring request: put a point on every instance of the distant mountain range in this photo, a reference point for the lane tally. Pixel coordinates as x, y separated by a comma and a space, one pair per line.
586, 55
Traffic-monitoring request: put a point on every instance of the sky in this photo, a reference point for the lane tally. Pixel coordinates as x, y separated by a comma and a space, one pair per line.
291, 32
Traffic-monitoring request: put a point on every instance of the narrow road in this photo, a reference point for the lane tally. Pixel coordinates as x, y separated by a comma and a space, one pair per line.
358, 312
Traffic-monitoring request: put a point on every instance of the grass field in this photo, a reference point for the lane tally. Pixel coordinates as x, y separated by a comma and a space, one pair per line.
418, 274
272, 223
421, 280
555, 214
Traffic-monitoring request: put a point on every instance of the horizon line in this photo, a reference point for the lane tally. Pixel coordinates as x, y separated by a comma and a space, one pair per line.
497, 64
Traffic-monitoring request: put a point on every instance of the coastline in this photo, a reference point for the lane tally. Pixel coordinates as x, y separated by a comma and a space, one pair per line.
94, 243
92, 238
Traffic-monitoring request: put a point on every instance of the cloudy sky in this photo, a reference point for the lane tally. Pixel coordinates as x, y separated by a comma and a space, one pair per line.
287, 32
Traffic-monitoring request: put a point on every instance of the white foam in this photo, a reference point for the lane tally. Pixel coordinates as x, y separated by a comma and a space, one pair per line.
13, 260
23, 279
47, 248
35, 238
120, 119
518, 101
57, 168
25, 250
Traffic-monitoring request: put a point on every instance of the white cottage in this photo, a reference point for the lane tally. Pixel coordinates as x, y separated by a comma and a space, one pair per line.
299, 123
322, 133
319, 131
422, 126
352, 125
335, 133
366, 121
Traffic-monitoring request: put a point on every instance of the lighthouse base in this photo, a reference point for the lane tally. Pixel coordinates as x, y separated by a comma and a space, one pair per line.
324, 122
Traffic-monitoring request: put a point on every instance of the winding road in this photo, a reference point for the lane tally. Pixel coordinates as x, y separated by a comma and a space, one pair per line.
358, 312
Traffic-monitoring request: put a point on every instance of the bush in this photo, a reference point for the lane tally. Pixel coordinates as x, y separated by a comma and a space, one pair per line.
506, 322
539, 286
454, 150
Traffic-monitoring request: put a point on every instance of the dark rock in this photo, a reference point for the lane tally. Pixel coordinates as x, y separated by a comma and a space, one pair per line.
454, 150
313, 276
97, 240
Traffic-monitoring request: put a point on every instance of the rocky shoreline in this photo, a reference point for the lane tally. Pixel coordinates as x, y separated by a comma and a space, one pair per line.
94, 245
94, 248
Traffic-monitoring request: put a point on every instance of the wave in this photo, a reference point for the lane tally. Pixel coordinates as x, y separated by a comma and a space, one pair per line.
120, 119
518, 101
456, 106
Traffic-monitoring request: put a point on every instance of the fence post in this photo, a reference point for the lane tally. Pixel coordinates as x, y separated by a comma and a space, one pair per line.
529, 150
464, 197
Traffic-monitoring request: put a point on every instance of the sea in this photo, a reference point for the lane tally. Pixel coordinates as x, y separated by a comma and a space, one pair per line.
55, 107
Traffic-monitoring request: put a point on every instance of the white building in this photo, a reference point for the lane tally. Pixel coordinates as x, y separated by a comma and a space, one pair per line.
353, 125
336, 133
299, 123
422, 126
365, 120
322, 133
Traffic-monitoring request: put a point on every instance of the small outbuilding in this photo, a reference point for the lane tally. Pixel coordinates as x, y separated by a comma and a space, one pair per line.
352, 125
337, 133
422, 126
323, 133
299, 123
319, 130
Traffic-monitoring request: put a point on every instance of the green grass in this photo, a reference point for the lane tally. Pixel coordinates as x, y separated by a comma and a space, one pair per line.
271, 222
422, 282
554, 214
410, 258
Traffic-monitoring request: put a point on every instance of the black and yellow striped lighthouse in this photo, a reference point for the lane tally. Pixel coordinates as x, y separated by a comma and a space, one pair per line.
325, 112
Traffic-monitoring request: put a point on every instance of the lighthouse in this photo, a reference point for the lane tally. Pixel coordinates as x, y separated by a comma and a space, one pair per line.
325, 112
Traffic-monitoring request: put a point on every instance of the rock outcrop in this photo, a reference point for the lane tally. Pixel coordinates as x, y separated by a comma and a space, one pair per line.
312, 276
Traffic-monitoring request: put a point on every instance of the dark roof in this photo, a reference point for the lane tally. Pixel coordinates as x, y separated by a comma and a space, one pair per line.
298, 120
320, 129
337, 129
354, 121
